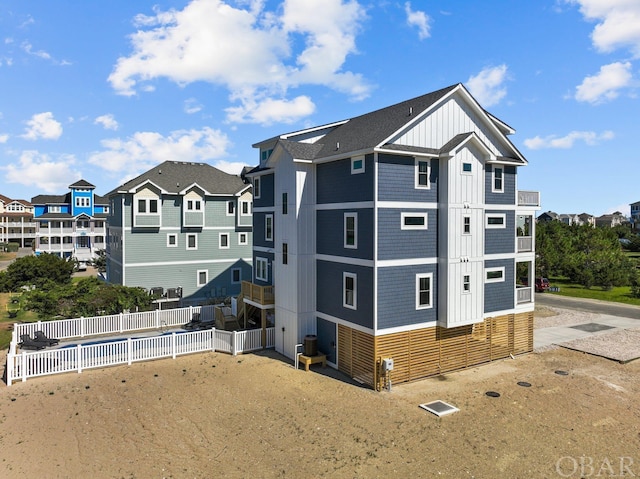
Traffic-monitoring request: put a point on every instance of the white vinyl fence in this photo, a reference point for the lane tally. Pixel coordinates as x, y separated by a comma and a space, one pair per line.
110, 352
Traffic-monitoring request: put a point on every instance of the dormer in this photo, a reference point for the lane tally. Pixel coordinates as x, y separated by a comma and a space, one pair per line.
147, 207
193, 208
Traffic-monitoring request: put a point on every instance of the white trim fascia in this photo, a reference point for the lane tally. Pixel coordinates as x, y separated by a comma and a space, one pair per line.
404, 329
334, 319
344, 206
194, 185
264, 249
498, 256
430, 156
134, 189
286, 136
488, 207
406, 205
186, 263
390, 263
345, 260
298, 160
525, 307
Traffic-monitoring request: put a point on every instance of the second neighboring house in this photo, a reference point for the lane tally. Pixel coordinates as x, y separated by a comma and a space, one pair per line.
16, 222
72, 225
635, 215
183, 229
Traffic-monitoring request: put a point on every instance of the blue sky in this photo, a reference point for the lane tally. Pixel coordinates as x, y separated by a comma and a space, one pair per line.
106, 90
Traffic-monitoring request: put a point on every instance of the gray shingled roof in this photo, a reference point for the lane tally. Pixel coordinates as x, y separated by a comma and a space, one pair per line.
51, 199
174, 176
81, 184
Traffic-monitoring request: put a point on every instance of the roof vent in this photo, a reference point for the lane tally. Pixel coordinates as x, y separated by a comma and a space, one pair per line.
337, 145
410, 110
159, 172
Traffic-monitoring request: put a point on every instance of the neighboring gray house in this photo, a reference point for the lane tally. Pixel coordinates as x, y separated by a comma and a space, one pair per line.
397, 235
587, 219
184, 228
614, 219
548, 216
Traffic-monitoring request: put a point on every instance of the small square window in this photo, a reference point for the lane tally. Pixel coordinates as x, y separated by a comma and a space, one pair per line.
203, 277
414, 221
236, 275
243, 239
172, 240
466, 167
357, 165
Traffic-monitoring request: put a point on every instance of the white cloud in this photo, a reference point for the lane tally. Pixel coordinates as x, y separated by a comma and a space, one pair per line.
605, 85
4, 138
35, 169
107, 121
28, 48
201, 43
233, 168
418, 19
144, 150
43, 125
487, 86
192, 106
269, 110
552, 141
617, 26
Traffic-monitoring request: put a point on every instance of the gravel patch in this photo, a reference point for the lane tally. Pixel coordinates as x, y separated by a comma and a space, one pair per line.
621, 345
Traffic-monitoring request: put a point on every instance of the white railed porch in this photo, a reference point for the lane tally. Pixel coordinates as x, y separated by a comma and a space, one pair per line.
109, 351
523, 294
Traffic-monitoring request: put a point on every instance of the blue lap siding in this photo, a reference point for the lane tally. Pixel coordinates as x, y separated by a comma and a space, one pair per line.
508, 196
330, 238
336, 184
396, 243
500, 296
396, 179
501, 240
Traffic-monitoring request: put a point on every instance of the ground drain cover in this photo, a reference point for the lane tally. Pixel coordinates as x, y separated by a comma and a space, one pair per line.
492, 394
560, 372
591, 327
524, 384
439, 408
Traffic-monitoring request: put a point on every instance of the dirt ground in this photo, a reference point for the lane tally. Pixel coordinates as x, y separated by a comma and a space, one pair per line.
253, 416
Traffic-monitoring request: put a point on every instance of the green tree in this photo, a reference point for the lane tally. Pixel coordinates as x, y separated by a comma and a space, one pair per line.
37, 271
100, 261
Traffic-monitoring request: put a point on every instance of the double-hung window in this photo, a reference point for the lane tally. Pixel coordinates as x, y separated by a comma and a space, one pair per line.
349, 290
422, 174
192, 241
498, 179
224, 241
424, 291
256, 187
262, 265
268, 228
351, 230
203, 277
147, 206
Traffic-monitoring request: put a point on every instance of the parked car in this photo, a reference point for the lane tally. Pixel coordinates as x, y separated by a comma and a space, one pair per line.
542, 284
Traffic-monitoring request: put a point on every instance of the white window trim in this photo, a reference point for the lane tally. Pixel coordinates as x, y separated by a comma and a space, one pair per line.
257, 189
264, 261
417, 173
355, 230
196, 243
239, 270
222, 235
470, 172
496, 215
465, 217
148, 206
493, 180
191, 207
246, 238
464, 282
355, 290
494, 280
169, 245
404, 215
418, 278
198, 272
248, 213
234, 208
357, 171
268, 237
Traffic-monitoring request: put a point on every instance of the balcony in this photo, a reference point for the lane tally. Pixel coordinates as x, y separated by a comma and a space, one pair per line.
525, 244
258, 294
528, 198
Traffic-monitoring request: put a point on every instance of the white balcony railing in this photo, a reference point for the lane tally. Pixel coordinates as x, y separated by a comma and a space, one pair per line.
528, 198
525, 244
524, 294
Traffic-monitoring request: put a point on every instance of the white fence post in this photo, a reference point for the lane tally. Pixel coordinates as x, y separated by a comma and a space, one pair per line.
129, 351
173, 345
23, 366
83, 328
234, 351
121, 322
79, 357
213, 339
157, 317
10, 361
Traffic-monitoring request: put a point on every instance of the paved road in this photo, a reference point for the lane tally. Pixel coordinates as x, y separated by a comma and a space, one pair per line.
589, 305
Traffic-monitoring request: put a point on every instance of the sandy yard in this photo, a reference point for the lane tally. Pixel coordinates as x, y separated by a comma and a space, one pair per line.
253, 416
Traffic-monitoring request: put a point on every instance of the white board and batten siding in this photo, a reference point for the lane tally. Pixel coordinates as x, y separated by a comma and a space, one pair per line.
295, 294
463, 256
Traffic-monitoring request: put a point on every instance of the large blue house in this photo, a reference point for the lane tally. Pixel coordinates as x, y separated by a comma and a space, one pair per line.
73, 224
396, 235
